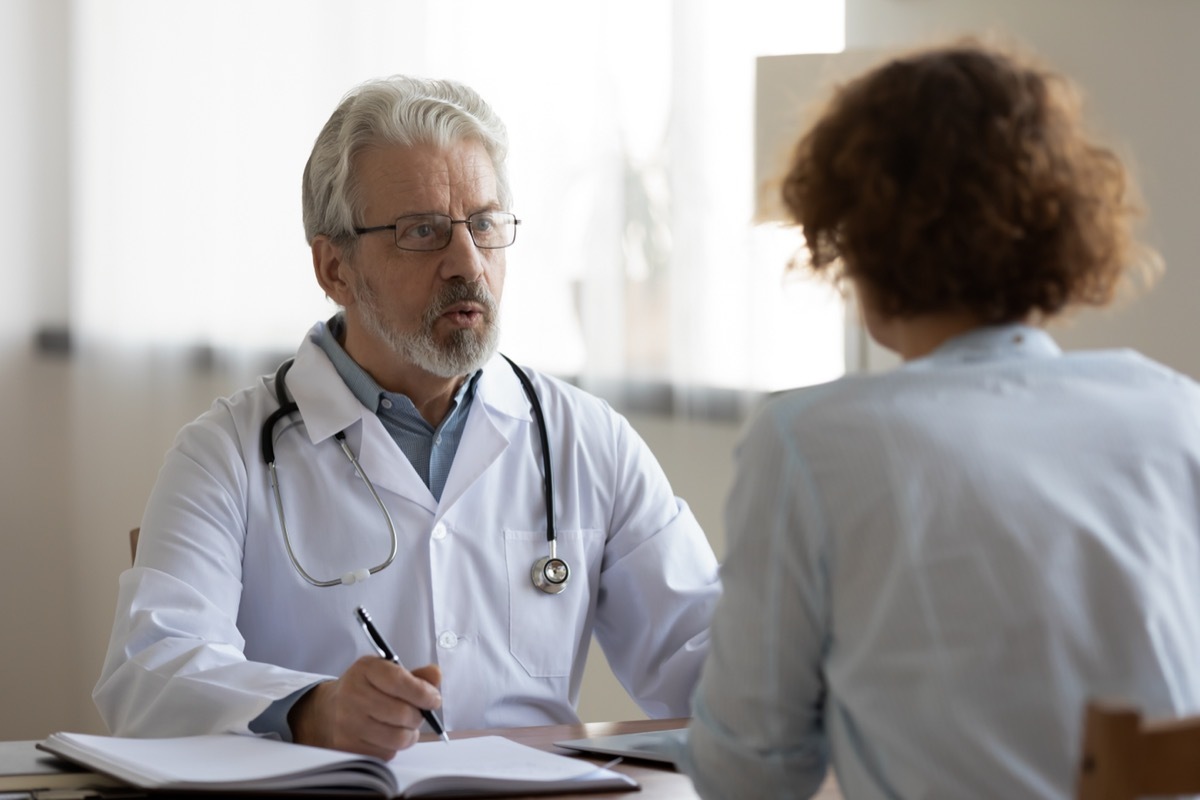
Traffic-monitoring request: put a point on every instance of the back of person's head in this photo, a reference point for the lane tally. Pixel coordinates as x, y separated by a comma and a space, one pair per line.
960, 179
399, 110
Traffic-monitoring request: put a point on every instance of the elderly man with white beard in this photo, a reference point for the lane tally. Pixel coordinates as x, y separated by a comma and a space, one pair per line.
490, 517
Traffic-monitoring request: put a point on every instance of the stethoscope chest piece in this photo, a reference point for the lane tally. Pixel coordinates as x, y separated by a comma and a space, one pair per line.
550, 574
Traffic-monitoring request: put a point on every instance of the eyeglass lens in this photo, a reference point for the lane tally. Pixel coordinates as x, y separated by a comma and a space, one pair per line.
488, 229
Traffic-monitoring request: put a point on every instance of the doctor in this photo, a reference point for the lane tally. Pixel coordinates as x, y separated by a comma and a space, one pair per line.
412, 477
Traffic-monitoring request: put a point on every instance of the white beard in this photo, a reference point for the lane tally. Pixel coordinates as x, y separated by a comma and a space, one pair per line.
465, 351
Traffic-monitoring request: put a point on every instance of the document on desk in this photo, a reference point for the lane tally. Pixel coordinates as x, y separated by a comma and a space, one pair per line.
660, 746
228, 762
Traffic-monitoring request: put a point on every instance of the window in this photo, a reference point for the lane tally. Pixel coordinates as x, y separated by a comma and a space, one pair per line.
631, 124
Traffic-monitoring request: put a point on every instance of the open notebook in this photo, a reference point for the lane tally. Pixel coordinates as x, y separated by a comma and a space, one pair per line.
485, 765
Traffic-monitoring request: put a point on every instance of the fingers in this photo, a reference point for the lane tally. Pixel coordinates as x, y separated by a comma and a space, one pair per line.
373, 708
374, 738
378, 739
431, 674
417, 688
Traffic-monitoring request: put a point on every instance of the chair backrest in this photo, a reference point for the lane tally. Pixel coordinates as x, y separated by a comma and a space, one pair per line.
1125, 758
133, 537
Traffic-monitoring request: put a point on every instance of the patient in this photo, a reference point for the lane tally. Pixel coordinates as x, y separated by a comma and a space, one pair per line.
931, 570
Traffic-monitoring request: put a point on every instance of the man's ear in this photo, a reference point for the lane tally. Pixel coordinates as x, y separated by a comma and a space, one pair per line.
332, 268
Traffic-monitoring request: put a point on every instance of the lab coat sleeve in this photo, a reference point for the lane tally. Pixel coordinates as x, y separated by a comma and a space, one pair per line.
175, 663
658, 585
757, 728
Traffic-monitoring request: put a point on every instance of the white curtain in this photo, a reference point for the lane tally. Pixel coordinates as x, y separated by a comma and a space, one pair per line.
632, 166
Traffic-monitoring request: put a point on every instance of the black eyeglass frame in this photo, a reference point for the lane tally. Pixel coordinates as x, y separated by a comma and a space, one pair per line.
395, 227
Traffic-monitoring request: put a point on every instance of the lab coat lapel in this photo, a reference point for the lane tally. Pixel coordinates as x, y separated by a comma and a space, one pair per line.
388, 467
499, 410
328, 406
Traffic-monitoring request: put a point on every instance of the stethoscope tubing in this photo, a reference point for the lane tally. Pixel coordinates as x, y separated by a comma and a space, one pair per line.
287, 407
549, 574
547, 474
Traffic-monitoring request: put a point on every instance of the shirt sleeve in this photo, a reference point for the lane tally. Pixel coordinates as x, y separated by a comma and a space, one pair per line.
273, 721
659, 585
757, 728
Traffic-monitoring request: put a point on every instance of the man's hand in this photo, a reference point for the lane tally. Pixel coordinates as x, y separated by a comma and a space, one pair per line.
374, 708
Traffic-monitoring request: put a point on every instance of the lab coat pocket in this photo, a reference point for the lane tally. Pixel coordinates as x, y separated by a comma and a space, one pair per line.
545, 630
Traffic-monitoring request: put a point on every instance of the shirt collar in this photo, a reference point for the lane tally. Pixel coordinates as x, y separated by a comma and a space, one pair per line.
1014, 340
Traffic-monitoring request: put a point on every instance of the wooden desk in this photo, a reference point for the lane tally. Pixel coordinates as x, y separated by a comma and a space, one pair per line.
657, 781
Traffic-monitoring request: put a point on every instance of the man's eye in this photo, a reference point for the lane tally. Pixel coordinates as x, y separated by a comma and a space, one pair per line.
419, 230
482, 224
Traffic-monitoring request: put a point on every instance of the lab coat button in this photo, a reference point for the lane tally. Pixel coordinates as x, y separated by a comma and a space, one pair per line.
447, 640
439, 531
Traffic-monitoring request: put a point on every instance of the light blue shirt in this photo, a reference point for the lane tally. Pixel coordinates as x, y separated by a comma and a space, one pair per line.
930, 571
430, 449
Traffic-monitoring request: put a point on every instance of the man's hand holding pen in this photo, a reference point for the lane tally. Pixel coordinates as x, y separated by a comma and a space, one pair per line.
375, 708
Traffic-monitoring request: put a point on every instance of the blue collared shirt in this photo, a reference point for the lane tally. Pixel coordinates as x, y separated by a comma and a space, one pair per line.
430, 449
931, 570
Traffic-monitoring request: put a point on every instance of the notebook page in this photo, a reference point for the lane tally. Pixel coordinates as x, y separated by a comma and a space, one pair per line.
490, 761
221, 760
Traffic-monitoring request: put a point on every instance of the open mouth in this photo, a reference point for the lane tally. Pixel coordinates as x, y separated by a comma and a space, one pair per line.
464, 314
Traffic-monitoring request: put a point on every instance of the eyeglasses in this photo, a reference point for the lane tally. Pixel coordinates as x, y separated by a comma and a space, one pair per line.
490, 230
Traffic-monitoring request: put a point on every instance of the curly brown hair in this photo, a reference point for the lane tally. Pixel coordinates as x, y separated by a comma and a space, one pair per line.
960, 179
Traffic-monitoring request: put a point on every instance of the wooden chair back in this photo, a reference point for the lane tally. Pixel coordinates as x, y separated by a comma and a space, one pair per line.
1125, 757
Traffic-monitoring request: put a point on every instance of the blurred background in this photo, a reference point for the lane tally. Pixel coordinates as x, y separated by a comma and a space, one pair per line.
155, 259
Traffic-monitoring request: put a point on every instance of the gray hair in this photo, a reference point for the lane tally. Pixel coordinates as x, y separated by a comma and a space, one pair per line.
396, 110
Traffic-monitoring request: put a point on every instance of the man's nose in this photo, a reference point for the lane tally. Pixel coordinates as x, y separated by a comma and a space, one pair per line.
462, 258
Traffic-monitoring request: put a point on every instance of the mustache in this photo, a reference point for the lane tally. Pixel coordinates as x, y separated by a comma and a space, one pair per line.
461, 292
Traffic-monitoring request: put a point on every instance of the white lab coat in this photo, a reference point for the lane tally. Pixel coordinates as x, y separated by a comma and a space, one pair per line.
213, 624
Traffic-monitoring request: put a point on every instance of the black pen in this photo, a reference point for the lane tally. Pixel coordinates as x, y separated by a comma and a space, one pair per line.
381, 647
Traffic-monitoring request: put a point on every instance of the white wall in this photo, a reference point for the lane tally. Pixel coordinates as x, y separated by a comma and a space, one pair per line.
38, 619
33, 172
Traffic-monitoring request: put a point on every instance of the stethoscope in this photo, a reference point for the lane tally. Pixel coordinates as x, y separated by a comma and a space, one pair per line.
549, 573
